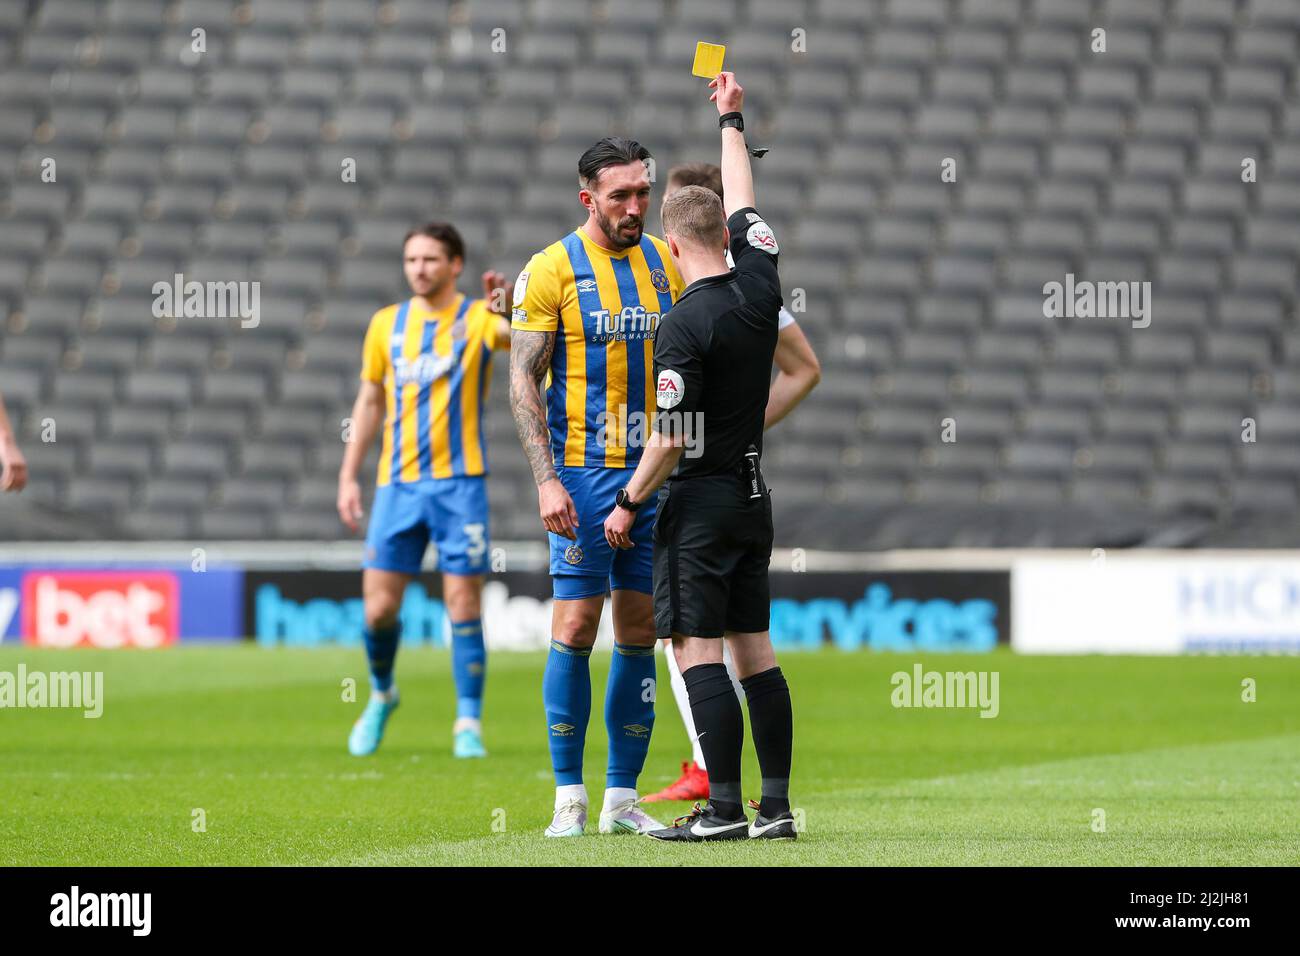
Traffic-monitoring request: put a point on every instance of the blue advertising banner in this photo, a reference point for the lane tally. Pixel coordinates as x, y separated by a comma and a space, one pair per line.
939, 611
119, 605
11, 589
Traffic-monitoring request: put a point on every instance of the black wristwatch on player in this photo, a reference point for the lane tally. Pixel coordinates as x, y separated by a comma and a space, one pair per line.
623, 500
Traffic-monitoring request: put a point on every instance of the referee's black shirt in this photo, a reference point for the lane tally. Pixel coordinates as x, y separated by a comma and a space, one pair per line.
713, 353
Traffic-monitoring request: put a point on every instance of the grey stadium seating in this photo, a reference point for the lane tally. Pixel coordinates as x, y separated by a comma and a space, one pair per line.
923, 297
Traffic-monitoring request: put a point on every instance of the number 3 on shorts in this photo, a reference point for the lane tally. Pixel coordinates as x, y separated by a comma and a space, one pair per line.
477, 541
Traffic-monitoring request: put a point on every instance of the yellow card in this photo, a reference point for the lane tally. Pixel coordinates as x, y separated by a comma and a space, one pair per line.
708, 59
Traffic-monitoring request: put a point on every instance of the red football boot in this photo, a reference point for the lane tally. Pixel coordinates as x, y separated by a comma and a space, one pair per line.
693, 784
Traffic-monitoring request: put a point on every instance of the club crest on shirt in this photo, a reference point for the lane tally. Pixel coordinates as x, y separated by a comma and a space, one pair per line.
573, 554
659, 279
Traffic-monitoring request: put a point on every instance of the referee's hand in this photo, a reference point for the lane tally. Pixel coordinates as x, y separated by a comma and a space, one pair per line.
727, 93
618, 527
557, 510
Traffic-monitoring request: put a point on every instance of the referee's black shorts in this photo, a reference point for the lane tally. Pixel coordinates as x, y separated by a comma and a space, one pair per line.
712, 546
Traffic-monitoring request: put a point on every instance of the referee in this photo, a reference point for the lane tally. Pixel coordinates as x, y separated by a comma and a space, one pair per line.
713, 532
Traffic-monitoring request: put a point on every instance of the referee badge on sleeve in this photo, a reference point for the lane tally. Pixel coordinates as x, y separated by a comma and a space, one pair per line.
670, 389
760, 237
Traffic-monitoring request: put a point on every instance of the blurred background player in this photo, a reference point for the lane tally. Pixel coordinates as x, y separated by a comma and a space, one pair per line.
13, 466
426, 366
798, 373
586, 310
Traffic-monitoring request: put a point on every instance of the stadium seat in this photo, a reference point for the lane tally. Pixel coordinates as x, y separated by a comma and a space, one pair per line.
924, 298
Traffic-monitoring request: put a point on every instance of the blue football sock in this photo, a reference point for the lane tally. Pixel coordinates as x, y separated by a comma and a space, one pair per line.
381, 649
468, 666
566, 693
629, 712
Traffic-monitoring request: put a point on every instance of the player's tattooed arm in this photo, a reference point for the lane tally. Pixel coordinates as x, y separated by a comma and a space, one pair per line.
530, 359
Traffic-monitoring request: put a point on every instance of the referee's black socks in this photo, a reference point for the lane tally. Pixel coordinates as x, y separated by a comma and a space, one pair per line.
720, 727
771, 720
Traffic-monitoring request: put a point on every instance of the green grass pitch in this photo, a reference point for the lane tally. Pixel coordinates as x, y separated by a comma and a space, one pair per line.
1184, 770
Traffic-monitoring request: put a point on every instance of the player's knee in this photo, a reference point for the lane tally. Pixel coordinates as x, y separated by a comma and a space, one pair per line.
639, 632
463, 604
464, 609
381, 610
576, 627
634, 618
575, 635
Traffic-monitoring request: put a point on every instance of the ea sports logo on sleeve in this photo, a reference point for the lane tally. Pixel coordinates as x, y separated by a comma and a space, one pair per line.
104, 609
670, 389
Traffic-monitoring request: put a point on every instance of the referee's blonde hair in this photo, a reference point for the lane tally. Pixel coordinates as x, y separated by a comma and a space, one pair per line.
694, 213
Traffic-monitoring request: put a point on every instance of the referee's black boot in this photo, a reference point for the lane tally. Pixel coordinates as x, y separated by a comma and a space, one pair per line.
779, 827
704, 825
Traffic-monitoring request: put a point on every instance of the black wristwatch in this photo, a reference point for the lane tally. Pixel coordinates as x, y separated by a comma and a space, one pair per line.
731, 119
622, 500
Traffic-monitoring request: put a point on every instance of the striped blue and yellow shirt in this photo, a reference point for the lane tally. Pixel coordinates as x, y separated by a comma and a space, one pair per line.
435, 368
604, 306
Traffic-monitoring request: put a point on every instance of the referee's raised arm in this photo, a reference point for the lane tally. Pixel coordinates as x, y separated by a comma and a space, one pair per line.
737, 178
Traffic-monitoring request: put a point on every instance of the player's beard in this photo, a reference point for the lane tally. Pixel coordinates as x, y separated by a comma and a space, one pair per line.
434, 290
616, 239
